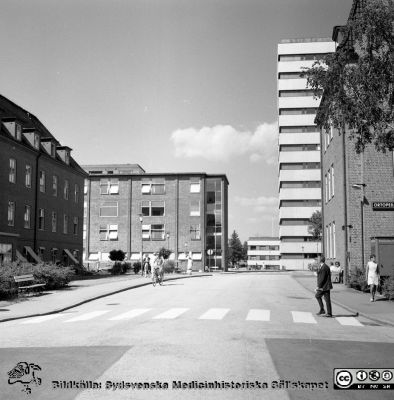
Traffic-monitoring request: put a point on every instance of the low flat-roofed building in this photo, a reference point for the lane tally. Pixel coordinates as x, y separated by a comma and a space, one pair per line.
263, 253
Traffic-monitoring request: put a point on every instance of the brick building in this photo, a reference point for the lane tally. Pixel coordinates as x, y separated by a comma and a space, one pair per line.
138, 212
358, 193
41, 203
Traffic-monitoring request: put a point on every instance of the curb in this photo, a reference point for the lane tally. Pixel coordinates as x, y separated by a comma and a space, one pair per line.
352, 310
100, 297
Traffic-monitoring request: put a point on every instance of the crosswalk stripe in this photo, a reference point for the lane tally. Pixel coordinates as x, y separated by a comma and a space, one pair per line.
42, 318
349, 321
258, 315
215, 313
303, 317
171, 313
87, 316
130, 314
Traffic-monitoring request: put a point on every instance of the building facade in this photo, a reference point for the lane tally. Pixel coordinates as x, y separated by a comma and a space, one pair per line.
41, 204
358, 193
299, 150
264, 253
139, 213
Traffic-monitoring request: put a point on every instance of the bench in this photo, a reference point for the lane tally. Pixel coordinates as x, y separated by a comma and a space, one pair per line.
27, 283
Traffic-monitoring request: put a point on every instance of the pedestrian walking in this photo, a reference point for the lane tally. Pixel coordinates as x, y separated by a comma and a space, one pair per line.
340, 269
146, 265
324, 286
373, 276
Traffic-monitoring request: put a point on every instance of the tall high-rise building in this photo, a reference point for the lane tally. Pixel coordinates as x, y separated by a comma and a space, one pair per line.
299, 150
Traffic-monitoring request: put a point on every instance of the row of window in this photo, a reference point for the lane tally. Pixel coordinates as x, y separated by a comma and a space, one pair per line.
148, 208
111, 186
297, 111
296, 93
255, 258
298, 129
300, 203
27, 215
301, 57
330, 240
264, 247
297, 166
12, 178
299, 184
294, 221
299, 147
329, 183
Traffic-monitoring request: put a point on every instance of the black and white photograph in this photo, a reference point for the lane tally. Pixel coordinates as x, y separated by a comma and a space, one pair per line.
196, 199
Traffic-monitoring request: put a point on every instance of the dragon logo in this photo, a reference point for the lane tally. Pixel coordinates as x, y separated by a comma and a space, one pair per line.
24, 373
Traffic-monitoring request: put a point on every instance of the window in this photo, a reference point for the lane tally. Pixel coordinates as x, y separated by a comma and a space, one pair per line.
85, 187
295, 221
153, 208
36, 142
297, 111
109, 186
41, 219
67, 157
28, 176
18, 131
301, 57
75, 225
54, 252
299, 147
300, 184
54, 185
298, 129
295, 93
66, 189
153, 188
109, 209
333, 240
332, 180
84, 232
12, 172
195, 187
290, 75
27, 217
326, 187
296, 166
11, 213
195, 233
54, 221
108, 232
300, 203
76, 193
153, 232
329, 183
195, 208
65, 224
42, 181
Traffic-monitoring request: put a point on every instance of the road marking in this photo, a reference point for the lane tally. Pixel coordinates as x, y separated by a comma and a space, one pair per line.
258, 315
87, 316
349, 321
215, 313
41, 318
130, 314
171, 313
303, 317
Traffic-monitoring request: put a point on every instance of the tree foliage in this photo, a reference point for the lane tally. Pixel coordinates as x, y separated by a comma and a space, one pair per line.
245, 251
358, 79
235, 249
315, 227
165, 253
117, 255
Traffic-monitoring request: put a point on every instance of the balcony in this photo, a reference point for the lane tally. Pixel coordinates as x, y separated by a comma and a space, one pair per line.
293, 230
306, 46
292, 84
300, 194
300, 175
300, 247
299, 156
297, 120
298, 102
299, 138
297, 212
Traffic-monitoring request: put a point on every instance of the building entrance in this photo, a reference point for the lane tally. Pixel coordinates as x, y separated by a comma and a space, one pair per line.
384, 250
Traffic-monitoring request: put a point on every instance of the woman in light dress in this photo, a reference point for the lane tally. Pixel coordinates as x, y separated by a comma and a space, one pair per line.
373, 276
189, 263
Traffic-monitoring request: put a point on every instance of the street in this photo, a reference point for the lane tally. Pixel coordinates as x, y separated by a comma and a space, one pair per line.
231, 328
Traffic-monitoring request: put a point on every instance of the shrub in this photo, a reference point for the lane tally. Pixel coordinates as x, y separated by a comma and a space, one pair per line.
358, 280
169, 266
54, 276
126, 266
116, 269
388, 288
8, 287
137, 267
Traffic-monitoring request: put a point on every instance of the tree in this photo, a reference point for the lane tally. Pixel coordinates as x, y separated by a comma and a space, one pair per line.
165, 253
357, 81
316, 225
117, 255
245, 251
235, 249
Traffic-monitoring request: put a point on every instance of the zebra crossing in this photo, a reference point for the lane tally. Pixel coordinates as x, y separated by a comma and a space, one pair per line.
212, 314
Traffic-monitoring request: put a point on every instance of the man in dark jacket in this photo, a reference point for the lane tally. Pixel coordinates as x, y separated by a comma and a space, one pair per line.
324, 286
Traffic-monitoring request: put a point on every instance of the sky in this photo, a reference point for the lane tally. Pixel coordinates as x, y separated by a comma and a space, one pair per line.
172, 85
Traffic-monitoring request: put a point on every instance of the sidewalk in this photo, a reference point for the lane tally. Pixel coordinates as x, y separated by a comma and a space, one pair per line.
77, 293
381, 311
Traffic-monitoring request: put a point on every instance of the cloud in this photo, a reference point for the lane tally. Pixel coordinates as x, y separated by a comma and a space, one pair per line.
223, 143
260, 204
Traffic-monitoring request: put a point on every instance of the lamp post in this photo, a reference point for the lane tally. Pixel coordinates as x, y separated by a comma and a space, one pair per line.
361, 186
142, 245
168, 240
303, 258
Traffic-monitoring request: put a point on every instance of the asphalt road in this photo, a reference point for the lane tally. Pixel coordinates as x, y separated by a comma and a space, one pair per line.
230, 329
